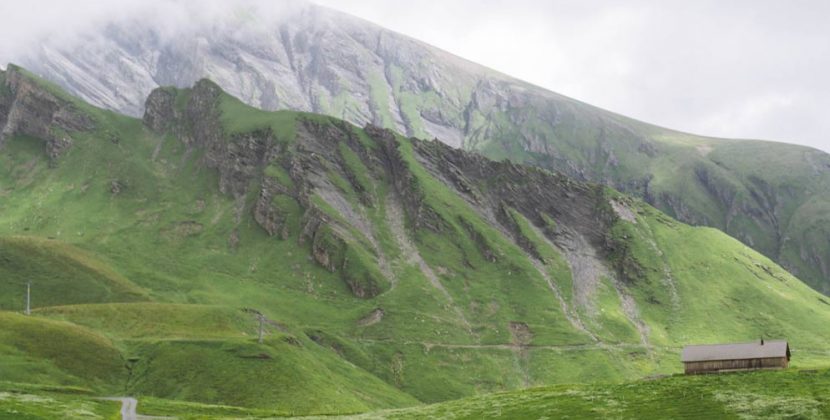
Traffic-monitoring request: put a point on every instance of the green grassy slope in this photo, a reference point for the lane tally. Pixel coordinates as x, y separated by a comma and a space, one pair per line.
758, 395
157, 320
771, 196
60, 274
798, 394
387, 276
189, 352
284, 374
36, 350
31, 402
703, 286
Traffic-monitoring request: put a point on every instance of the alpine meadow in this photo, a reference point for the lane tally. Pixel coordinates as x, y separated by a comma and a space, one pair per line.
256, 224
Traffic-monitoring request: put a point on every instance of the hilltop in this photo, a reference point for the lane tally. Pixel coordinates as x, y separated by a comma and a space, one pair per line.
391, 271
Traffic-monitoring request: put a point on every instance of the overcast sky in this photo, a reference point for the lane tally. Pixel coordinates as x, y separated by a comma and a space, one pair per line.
747, 69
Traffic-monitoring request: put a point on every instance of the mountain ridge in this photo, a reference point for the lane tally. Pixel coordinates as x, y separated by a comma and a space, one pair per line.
428, 272
314, 59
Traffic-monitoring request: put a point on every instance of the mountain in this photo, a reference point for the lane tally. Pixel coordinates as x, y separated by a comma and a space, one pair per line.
384, 270
773, 197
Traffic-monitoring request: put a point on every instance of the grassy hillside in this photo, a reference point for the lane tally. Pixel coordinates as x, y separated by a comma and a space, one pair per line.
158, 320
771, 196
190, 352
758, 395
704, 286
391, 271
285, 374
36, 350
31, 402
59, 274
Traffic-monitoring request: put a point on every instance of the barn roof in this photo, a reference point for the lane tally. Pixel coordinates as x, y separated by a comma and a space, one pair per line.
738, 351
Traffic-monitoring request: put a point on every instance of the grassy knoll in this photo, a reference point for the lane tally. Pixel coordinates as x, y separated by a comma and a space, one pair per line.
755, 395
284, 373
37, 350
60, 274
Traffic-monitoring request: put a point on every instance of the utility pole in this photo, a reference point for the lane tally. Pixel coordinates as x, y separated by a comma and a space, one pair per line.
261, 319
29, 298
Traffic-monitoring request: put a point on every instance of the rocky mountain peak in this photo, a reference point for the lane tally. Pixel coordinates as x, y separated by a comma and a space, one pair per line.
328, 164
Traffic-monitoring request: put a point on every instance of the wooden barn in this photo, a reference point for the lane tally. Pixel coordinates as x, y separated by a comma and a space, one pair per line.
771, 354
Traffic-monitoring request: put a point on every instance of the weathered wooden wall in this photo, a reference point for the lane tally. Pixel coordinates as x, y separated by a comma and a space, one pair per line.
747, 364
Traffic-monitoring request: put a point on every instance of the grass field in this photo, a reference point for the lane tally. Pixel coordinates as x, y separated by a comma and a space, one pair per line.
50, 266
26, 402
789, 394
757, 395
147, 279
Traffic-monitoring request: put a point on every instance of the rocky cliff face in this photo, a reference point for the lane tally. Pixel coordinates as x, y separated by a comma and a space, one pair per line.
323, 171
315, 59
29, 108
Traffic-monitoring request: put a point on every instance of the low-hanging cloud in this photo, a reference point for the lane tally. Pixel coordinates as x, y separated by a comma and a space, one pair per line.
746, 69
60, 22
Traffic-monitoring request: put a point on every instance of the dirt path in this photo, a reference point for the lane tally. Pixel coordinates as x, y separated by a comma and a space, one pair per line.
129, 406
512, 347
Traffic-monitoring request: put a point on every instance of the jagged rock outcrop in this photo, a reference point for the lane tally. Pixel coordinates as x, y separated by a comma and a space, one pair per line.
316, 59
325, 169
27, 107
255, 163
160, 113
531, 191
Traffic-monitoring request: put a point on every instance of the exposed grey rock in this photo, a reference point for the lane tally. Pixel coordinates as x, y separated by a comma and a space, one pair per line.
29, 108
243, 160
315, 59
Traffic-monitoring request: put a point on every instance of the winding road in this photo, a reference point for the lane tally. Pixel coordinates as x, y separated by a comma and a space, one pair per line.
128, 406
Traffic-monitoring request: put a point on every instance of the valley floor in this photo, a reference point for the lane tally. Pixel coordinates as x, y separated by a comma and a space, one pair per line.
802, 394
